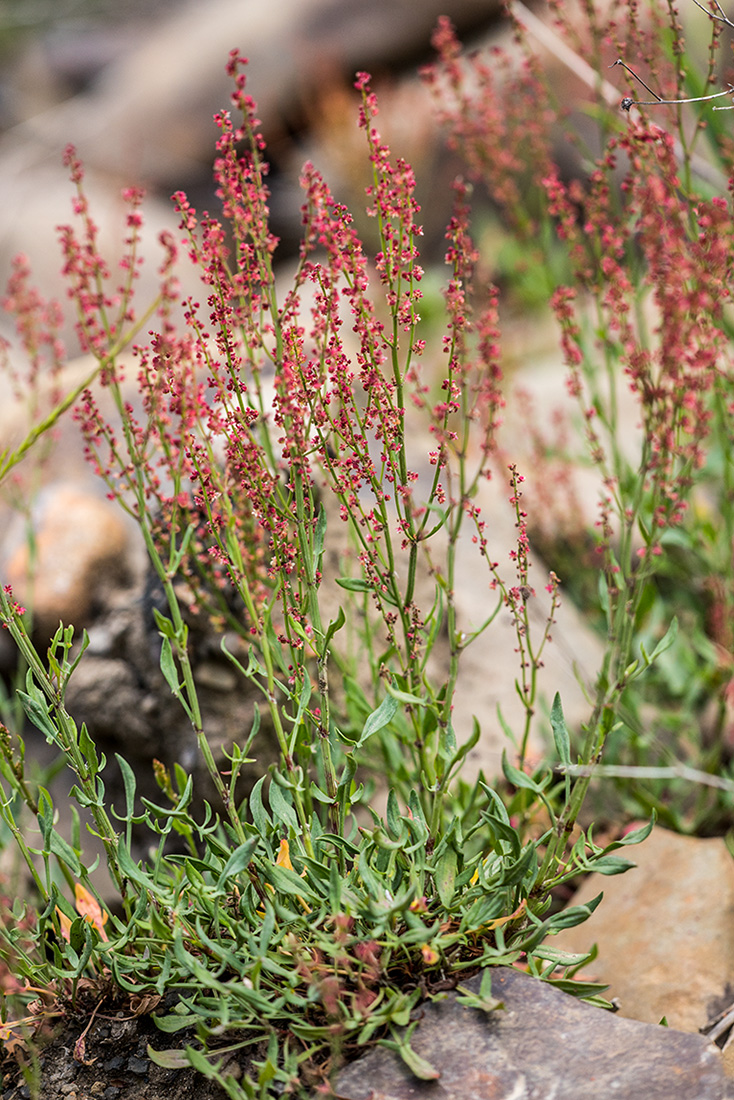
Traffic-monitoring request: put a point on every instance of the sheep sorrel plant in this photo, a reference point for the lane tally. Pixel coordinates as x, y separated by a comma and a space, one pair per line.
283, 923
633, 243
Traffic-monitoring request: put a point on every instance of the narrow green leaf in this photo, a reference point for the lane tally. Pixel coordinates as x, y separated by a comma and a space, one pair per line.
575, 914
247, 672
417, 1065
281, 808
447, 747
444, 875
335, 887
394, 819
129, 868
406, 697
319, 535
88, 747
260, 817
303, 700
286, 881
560, 731
165, 626
35, 706
354, 584
335, 625
502, 836
173, 1023
420, 1067
379, 718
321, 796
168, 667
460, 752
577, 988
517, 778
611, 865
416, 809
506, 728
483, 1000
180, 554
636, 836
128, 779
604, 594
45, 814
64, 852
238, 861
345, 738
169, 1059
200, 1062
667, 640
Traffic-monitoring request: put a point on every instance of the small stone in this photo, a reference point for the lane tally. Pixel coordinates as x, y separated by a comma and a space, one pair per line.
111, 1092
138, 1066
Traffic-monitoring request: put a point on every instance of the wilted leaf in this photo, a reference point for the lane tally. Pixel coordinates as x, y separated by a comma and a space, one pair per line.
87, 907
80, 1051
512, 916
169, 1059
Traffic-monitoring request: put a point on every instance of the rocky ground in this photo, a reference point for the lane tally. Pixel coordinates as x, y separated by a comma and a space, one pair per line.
114, 1064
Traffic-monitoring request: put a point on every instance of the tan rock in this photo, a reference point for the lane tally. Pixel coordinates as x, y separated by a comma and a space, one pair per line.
665, 930
81, 547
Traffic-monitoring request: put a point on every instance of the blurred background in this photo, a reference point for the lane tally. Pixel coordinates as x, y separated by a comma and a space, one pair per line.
133, 84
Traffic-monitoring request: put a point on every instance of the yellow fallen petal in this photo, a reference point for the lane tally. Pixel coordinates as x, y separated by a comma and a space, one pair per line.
64, 924
283, 858
513, 916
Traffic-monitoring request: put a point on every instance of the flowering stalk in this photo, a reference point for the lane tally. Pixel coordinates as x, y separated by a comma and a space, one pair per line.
250, 415
641, 276
259, 423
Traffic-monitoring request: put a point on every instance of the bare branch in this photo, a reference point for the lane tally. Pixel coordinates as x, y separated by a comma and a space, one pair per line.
722, 18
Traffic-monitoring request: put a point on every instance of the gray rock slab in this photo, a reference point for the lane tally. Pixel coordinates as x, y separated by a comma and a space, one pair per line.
543, 1045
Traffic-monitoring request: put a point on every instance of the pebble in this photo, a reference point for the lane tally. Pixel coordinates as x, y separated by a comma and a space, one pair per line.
138, 1066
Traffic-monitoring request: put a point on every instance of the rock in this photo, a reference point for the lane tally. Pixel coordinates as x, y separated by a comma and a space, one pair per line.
665, 931
119, 692
543, 1044
147, 118
150, 112
81, 547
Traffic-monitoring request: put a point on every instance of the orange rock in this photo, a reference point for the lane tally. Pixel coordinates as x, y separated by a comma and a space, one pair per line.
81, 549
